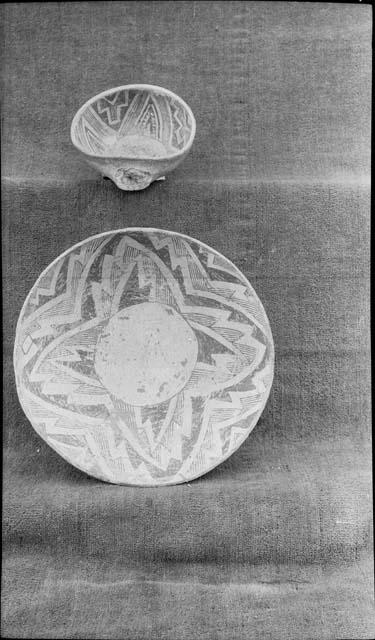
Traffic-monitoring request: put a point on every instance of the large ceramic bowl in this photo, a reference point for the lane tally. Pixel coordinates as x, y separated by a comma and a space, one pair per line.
143, 357
134, 134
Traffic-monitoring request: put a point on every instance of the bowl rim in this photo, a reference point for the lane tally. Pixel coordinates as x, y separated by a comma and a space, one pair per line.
150, 87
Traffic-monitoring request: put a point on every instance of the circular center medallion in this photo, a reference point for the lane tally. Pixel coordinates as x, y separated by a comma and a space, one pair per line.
146, 354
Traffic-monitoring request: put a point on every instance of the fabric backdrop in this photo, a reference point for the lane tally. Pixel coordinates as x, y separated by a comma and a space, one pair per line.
276, 543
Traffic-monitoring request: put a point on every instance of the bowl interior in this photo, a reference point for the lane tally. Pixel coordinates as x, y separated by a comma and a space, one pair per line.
134, 122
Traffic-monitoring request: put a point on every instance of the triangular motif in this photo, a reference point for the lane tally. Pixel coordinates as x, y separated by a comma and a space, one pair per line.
149, 122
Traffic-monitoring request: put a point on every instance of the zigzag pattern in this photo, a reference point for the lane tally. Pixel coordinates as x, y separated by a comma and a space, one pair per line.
68, 403
198, 283
179, 132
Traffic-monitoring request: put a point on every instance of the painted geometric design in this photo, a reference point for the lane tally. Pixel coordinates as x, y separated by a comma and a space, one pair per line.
134, 112
112, 106
143, 357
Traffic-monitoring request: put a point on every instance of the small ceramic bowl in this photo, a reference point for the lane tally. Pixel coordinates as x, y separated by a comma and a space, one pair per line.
134, 134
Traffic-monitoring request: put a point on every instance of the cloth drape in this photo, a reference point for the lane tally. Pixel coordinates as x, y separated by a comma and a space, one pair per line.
277, 541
